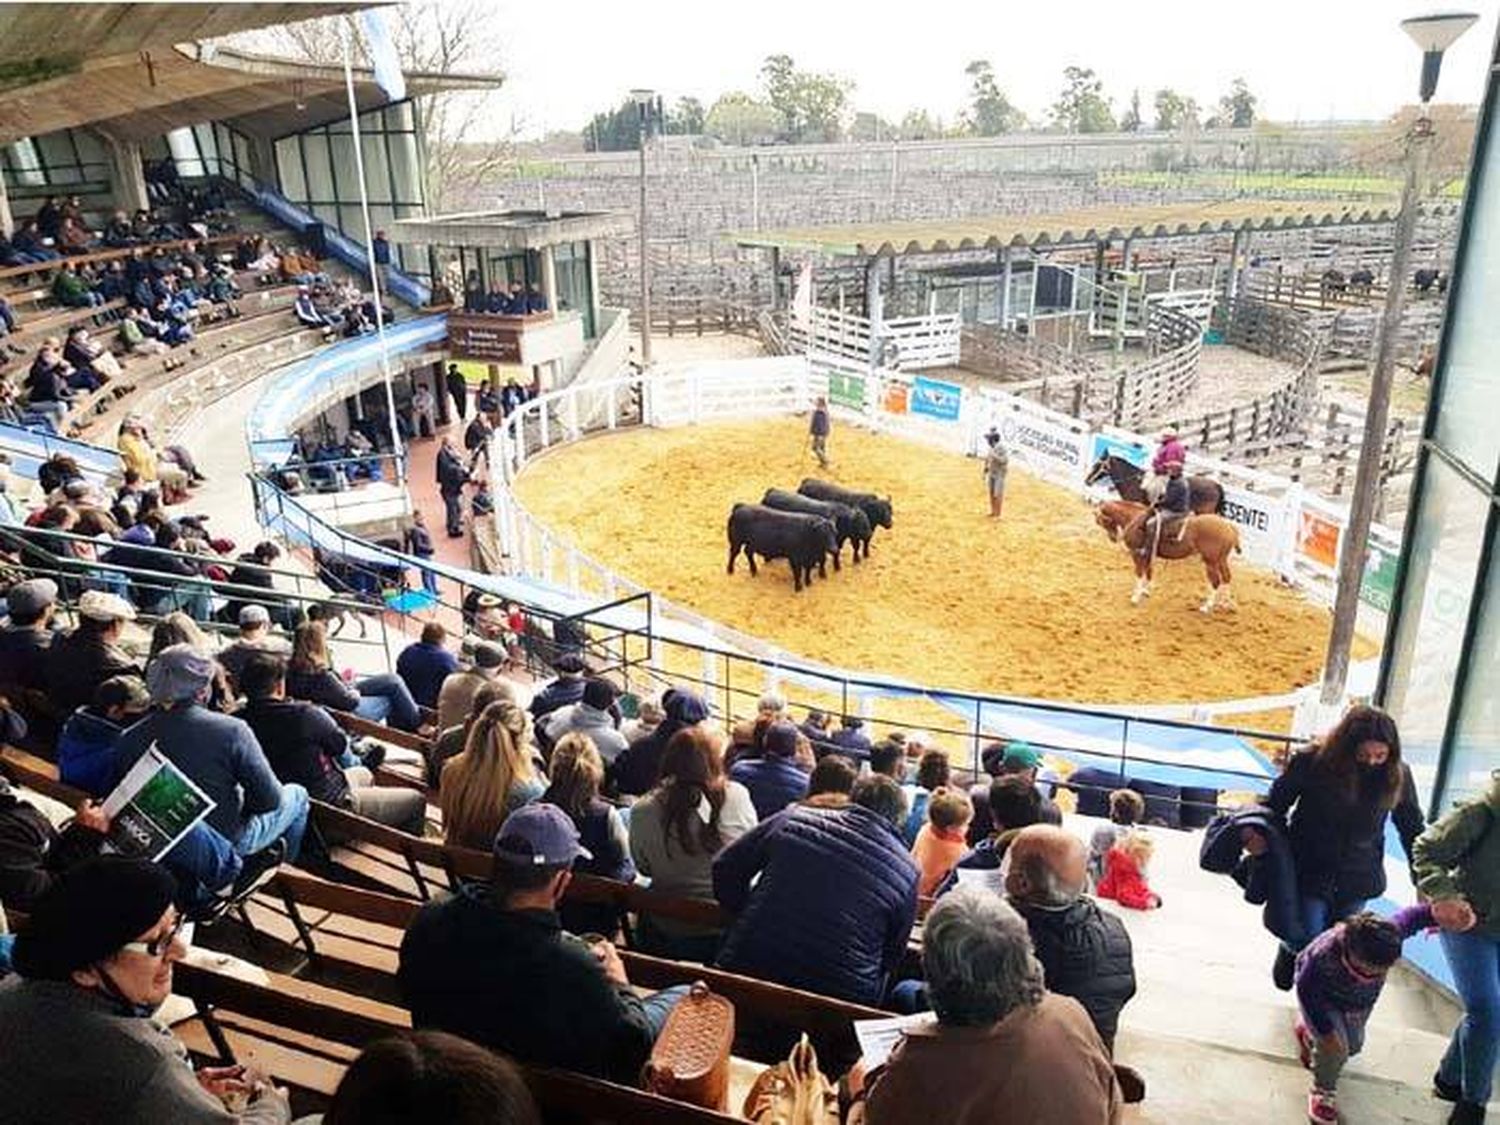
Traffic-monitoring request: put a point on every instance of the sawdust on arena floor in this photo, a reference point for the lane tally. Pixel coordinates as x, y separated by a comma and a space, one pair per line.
1035, 605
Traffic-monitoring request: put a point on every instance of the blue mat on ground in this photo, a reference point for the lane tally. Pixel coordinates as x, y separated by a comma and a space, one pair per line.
1159, 752
410, 601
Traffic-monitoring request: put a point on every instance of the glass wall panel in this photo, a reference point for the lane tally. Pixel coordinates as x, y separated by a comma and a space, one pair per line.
320, 185
184, 148
1444, 559
346, 173
1476, 742
23, 164
1470, 396
377, 169
406, 168
60, 157
289, 169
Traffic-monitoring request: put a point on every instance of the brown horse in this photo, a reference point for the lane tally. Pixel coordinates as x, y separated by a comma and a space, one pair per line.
1212, 538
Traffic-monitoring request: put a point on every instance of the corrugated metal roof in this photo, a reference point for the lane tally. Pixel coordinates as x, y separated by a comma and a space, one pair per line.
1065, 228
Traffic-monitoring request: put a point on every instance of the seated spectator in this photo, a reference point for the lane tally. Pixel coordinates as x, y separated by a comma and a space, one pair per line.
1014, 804
636, 771
136, 339
419, 1077
34, 854
495, 966
567, 688
252, 569
1001, 759
1126, 808
305, 746
592, 716
451, 742
1001, 1038
310, 676
932, 773
851, 739
494, 776
456, 697
888, 757
255, 639
138, 454
512, 397
26, 637
92, 966
648, 716
811, 880
117, 232
50, 364
1125, 871
831, 781
535, 301
71, 291
73, 237
307, 312
426, 664
678, 828
773, 780
84, 352
79, 662
220, 753
47, 391
88, 747
1085, 951
577, 772
940, 844
28, 242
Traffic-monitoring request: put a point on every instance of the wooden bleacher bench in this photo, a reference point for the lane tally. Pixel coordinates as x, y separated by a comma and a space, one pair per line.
96, 256
306, 1036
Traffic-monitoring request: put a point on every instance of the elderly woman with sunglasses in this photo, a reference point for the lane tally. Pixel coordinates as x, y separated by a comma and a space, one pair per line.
92, 965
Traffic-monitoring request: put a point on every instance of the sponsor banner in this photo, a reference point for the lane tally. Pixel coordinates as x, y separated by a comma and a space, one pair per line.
1047, 448
936, 399
1318, 539
1378, 586
846, 390
895, 397
1108, 446
1259, 519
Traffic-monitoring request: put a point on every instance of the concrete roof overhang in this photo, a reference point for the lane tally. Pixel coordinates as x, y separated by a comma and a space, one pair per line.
511, 230
1068, 228
168, 83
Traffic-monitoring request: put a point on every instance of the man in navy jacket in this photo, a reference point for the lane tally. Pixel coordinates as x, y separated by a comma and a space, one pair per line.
833, 908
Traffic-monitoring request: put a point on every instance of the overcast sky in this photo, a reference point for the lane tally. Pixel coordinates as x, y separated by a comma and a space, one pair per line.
1306, 60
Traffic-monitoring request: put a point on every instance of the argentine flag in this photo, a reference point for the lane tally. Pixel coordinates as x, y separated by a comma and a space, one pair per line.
388, 74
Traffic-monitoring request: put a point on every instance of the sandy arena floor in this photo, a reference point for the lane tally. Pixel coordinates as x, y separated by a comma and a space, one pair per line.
1035, 605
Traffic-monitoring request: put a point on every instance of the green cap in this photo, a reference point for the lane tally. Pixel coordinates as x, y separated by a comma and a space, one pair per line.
1022, 754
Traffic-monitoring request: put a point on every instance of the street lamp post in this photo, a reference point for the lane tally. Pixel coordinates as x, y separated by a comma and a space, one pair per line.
644, 101
1434, 34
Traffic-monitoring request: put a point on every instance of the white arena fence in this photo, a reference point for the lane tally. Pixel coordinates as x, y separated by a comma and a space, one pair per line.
1283, 528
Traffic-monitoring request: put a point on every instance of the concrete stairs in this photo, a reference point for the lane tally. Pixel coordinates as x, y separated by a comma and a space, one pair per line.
1213, 1036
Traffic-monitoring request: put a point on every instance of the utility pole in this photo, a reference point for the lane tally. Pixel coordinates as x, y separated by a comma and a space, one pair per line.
644, 100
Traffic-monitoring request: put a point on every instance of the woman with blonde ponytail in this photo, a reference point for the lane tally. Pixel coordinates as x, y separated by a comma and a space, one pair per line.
495, 775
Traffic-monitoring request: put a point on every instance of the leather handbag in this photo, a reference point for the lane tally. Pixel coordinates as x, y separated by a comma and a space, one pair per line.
690, 1061
794, 1092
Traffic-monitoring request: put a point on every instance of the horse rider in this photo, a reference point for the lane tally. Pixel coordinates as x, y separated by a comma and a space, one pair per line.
1168, 515
1171, 449
996, 462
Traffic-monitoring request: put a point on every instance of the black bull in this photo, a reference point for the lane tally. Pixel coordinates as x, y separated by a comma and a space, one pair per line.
851, 524
804, 541
878, 511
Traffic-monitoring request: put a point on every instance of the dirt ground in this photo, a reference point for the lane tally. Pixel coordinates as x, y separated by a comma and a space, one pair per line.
1034, 605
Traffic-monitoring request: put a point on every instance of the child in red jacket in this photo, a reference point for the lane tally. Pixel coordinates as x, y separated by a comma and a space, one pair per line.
1125, 873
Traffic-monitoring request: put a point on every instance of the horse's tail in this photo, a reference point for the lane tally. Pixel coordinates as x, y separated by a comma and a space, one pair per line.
1219, 505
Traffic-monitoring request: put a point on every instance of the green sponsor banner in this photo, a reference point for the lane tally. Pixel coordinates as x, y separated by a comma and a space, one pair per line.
1379, 584
846, 390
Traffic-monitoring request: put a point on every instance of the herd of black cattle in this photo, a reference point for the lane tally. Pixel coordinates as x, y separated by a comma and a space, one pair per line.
806, 527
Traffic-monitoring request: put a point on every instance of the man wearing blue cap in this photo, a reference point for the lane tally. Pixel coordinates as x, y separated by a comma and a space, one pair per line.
495, 966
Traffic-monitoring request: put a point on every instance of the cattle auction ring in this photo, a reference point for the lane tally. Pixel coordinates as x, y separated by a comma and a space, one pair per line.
1034, 605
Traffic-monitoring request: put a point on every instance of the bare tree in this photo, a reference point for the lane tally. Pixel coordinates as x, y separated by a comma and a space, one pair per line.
441, 37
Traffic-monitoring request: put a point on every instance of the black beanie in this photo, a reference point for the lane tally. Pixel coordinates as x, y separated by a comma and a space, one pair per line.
89, 913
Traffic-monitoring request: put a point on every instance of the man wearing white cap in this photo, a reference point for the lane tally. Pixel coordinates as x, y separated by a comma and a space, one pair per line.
255, 638
78, 663
252, 809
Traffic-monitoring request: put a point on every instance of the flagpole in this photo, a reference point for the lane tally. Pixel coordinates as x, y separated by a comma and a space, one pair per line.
364, 210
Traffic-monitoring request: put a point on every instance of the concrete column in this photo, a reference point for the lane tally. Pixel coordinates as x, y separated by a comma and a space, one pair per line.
7, 220
437, 377
549, 277
594, 285
127, 173
775, 279
1005, 274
